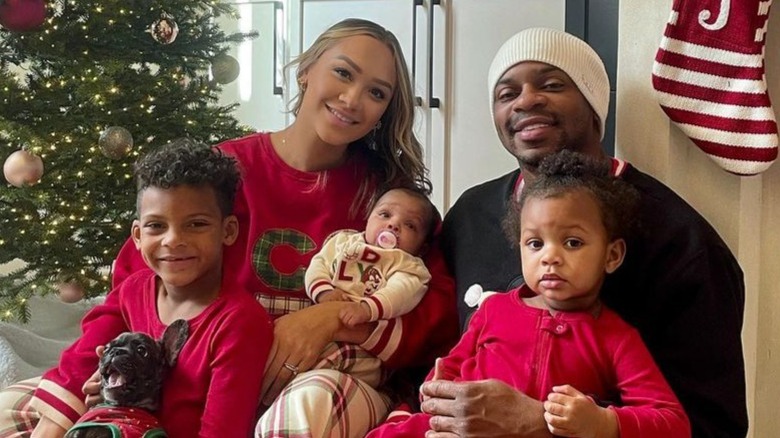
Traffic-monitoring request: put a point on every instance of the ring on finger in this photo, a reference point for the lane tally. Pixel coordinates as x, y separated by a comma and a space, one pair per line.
293, 369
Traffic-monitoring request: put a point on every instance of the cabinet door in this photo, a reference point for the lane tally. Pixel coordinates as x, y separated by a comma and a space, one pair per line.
476, 29
259, 86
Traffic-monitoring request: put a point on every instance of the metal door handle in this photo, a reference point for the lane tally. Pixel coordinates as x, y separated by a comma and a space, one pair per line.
415, 4
433, 102
278, 90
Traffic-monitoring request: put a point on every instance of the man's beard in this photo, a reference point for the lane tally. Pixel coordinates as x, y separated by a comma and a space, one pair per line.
532, 161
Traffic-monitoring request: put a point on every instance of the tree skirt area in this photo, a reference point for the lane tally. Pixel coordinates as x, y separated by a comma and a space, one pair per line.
27, 350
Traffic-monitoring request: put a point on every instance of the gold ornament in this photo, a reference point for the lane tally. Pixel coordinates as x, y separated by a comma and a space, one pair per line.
115, 142
22, 168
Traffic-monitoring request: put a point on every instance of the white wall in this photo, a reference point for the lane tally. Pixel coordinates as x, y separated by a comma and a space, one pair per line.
744, 210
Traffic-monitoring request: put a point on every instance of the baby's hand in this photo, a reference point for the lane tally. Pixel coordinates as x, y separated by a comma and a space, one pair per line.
568, 412
354, 314
332, 295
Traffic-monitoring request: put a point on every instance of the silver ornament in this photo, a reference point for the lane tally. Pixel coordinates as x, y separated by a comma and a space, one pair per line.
225, 69
115, 142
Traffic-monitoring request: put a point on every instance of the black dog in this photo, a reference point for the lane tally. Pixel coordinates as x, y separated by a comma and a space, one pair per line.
132, 370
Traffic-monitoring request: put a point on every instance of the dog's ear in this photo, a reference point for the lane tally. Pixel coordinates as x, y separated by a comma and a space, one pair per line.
173, 340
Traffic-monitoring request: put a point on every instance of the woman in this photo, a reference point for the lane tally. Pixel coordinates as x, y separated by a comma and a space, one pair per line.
352, 135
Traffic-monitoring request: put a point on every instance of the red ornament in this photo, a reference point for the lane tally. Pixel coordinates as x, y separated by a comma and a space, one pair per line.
22, 15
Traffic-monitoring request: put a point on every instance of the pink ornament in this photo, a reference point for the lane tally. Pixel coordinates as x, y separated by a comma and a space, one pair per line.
22, 168
70, 292
22, 15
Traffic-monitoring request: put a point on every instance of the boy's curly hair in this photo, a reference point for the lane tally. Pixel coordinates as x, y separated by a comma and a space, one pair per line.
567, 171
191, 163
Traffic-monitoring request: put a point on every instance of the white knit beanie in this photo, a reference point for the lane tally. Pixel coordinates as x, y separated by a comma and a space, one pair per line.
562, 50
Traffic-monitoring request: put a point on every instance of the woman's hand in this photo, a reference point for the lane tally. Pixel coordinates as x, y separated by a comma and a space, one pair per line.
91, 388
299, 338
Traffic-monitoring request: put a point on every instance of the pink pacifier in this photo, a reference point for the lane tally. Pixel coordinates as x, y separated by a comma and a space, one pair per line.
386, 239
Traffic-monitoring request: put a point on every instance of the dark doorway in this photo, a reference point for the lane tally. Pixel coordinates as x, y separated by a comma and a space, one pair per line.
596, 21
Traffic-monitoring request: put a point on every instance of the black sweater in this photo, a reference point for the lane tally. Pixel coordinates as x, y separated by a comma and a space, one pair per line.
679, 285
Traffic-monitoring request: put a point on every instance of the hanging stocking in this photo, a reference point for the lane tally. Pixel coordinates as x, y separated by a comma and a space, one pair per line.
709, 76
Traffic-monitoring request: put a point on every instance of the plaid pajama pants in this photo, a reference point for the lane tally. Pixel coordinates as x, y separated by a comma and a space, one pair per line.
336, 399
17, 418
324, 404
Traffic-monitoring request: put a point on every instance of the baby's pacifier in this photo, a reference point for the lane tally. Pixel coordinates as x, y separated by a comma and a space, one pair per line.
386, 239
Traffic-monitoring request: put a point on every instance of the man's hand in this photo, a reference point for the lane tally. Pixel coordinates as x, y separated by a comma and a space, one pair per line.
438, 373
91, 388
568, 412
485, 408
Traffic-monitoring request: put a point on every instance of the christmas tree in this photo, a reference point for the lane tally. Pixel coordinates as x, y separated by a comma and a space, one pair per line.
86, 86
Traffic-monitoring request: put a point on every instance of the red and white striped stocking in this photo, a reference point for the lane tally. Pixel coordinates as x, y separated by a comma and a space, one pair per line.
709, 77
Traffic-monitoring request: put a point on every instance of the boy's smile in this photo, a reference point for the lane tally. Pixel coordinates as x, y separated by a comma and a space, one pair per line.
180, 233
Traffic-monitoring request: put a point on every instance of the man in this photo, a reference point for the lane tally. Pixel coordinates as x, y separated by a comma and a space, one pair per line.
679, 285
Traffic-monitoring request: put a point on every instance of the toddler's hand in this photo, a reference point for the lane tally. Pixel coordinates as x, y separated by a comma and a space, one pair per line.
568, 412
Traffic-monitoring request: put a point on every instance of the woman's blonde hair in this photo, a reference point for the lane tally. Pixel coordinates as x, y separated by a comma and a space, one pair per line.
395, 154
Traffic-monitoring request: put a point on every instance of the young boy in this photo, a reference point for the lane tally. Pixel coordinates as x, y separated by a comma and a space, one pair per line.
185, 197
552, 338
379, 270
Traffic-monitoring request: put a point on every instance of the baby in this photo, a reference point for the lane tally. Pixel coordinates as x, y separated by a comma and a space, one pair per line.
380, 269
379, 272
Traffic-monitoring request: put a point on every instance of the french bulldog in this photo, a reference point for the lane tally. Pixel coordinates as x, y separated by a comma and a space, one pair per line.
132, 370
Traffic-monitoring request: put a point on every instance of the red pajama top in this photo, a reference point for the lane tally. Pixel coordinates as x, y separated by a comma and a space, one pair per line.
215, 384
533, 350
